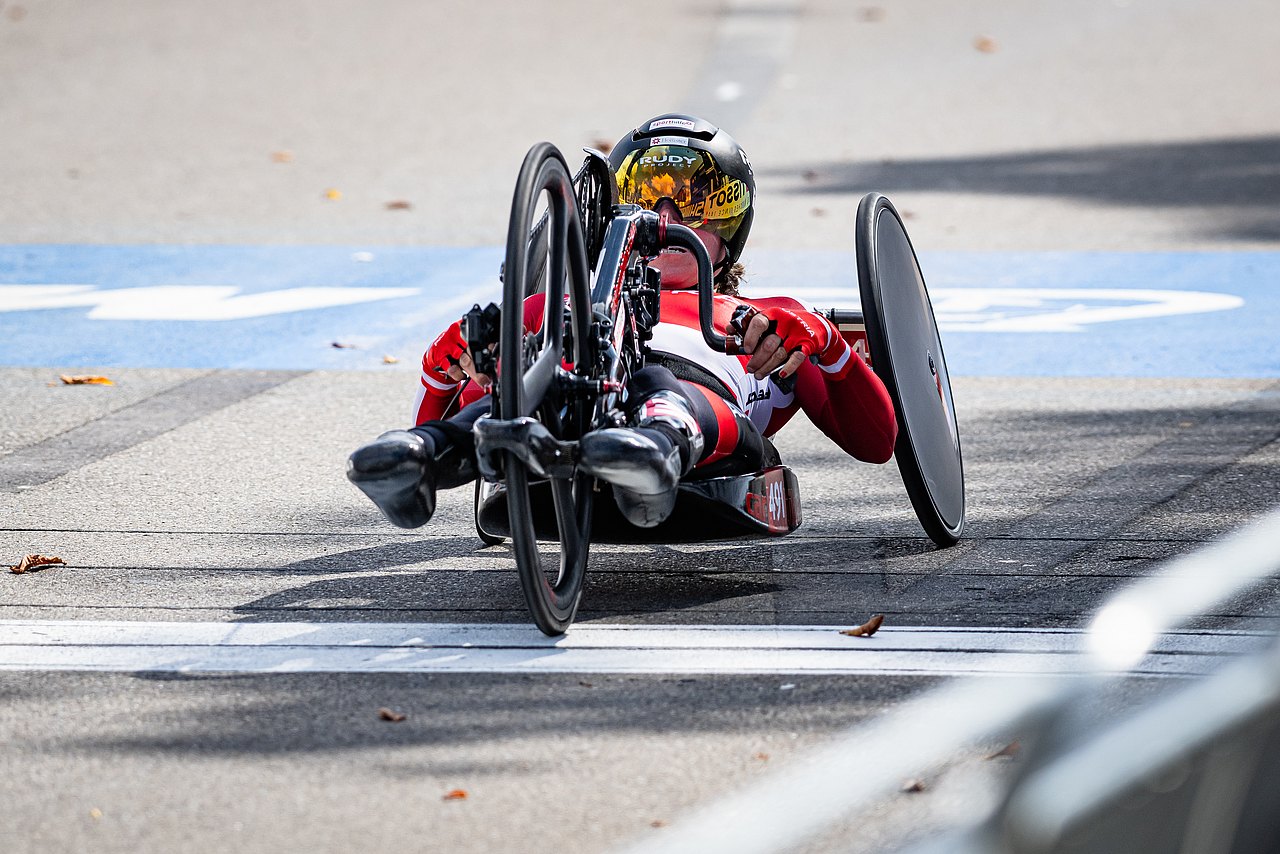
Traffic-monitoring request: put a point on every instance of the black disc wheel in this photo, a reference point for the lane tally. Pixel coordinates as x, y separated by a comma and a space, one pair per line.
529, 382
906, 353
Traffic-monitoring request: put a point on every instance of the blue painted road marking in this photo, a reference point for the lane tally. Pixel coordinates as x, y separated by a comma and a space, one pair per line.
1192, 314
1176, 314
412, 293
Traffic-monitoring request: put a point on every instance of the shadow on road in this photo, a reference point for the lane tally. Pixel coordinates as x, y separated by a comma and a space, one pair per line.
1064, 506
279, 714
1241, 176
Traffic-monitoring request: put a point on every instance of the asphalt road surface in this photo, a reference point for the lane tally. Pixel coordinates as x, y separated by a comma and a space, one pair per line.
186, 683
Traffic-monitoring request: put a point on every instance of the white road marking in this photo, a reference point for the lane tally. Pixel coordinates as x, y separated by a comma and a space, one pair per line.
303, 647
741, 63
187, 302
728, 91
959, 309
1046, 309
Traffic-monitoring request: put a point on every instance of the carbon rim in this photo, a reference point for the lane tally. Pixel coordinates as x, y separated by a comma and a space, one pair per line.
551, 591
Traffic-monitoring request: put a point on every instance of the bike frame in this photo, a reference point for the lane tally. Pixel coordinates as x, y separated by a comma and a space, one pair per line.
625, 296
625, 308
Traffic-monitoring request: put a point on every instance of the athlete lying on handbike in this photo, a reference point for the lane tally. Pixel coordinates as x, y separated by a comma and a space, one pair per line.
690, 411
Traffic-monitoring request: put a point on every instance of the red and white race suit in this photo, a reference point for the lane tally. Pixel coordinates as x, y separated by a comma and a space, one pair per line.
840, 393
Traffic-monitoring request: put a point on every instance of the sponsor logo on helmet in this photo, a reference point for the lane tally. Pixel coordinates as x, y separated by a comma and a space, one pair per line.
670, 159
670, 123
669, 140
729, 201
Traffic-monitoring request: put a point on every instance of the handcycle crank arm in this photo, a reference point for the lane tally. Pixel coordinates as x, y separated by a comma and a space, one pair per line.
531, 442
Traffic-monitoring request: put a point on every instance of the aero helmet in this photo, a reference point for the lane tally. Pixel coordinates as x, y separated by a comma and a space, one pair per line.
699, 167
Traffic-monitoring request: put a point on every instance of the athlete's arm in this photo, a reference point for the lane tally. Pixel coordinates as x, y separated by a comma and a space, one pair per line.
849, 403
447, 364
438, 387
839, 393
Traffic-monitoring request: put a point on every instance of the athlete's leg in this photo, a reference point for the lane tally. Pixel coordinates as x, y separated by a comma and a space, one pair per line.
733, 445
402, 469
645, 461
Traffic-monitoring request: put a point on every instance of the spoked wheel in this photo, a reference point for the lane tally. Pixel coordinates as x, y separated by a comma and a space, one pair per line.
528, 381
906, 353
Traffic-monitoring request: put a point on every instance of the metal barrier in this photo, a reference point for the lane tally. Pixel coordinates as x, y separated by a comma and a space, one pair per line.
1196, 772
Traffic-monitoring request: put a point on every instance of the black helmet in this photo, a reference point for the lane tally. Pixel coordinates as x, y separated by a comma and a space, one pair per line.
699, 167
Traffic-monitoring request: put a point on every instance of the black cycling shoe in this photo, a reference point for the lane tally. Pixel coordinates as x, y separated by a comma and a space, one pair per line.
642, 465
395, 471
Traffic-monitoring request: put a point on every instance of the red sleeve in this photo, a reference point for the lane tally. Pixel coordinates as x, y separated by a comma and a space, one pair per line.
850, 404
436, 389
439, 395
843, 396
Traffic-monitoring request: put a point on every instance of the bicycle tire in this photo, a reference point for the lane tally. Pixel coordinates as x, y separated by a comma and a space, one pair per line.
530, 390
596, 194
906, 353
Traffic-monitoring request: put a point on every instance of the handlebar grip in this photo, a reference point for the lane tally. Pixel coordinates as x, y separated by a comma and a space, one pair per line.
653, 235
786, 385
683, 236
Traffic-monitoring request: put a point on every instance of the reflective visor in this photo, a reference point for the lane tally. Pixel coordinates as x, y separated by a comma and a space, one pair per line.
707, 198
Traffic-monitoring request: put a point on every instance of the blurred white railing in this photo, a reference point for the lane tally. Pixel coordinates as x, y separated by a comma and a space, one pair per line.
870, 761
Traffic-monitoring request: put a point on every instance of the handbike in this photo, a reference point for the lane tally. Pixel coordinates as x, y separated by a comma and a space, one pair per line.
570, 377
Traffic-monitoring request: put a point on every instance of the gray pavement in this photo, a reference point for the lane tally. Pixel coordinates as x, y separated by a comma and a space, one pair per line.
182, 495
1070, 496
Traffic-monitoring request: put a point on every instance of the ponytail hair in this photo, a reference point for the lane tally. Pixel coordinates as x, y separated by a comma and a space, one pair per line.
730, 279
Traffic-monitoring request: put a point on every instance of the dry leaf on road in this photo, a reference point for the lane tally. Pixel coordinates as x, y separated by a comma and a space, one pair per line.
985, 44
282, 156
333, 194
399, 205
84, 379
913, 785
390, 360
455, 795
867, 629
391, 715
35, 563
1011, 749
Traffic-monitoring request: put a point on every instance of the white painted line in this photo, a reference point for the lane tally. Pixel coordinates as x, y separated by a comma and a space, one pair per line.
187, 302
592, 648
1046, 309
728, 91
